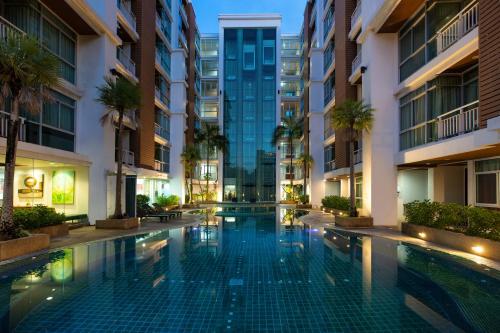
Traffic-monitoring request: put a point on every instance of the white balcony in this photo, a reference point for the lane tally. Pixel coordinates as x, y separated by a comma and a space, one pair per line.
125, 60
161, 166
358, 156
458, 26
459, 121
356, 68
355, 21
4, 126
128, 157
8, 29
125, 10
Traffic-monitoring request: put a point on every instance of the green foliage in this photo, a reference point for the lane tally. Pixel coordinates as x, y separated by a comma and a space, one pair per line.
336, 202
166, 201
37, 217
304, 199
473, 221
354, 116
142, 204
118, 95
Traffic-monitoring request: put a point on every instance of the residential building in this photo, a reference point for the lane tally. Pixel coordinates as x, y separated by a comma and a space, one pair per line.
427, 68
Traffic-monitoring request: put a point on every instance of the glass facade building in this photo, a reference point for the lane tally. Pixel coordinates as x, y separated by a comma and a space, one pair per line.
249, 113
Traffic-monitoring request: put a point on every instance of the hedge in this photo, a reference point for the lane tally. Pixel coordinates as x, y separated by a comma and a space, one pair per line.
472, 221
336, 202
37, 217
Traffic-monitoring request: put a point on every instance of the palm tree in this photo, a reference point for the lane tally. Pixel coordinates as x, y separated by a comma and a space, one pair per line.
27, 70
305, 161
291, 129
190, 158
121, 98
209, 136
354, 117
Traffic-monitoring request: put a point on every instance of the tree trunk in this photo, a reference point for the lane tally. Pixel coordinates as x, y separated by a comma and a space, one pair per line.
191, 175
305, 171
292, 169
7, 225
207, 172
119, 170
353, 212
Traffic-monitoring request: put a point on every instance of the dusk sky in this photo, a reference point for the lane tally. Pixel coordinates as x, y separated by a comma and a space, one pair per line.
207, 11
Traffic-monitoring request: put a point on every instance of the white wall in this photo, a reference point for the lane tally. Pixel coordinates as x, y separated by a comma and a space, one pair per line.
449, 184
332, 188
412, 185
380, 56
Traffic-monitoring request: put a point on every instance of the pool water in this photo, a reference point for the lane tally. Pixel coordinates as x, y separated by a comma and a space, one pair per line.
262, 271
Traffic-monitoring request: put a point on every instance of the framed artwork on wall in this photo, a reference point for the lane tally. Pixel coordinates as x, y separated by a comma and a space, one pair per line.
30, 186
63, 187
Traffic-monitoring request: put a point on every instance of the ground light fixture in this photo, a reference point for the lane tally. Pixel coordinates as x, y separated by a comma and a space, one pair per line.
478, 249
422, 235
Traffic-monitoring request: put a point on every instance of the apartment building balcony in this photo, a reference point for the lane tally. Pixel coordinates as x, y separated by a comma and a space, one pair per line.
162, 134
162, 62
8, 29
4, 123
314, 13
328, 62
125, 15
358, 156
459, 121
128, 157
458, 27
162, 166
329, 166
126, 65
356, 68
167, 5
164, 29
329, 25
183, 40
183, 14
296, 176
161, 99
329, 134
355, 22
329, 96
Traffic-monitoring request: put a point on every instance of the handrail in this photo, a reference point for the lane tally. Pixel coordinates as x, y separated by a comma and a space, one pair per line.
356, 62
459, 121
127, 13
457, 27
456, 17
355, 14
126, 60
4, 126
444, 115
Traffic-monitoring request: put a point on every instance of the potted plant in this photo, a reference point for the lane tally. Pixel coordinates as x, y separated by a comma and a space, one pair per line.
353, 117
27, 71
121, 98
290, 129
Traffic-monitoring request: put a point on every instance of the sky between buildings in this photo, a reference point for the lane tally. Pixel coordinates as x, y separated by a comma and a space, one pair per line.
207, 12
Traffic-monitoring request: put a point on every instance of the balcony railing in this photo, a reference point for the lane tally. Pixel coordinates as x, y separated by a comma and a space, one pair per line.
165, 27
183, 40
161, 132
457, 27
329, 23
162, 97
358, 155
459, 121
355, 14
8, 29
182, 10
127, 13
128, 63
356, 63
4, 126
330, 166
161, 166
329, 95
128, 157
329, 58
328, 132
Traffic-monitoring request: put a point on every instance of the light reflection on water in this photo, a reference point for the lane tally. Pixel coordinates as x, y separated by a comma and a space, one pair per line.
268, 261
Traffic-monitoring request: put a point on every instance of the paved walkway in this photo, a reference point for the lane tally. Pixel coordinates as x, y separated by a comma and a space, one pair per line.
318, 219
91, 234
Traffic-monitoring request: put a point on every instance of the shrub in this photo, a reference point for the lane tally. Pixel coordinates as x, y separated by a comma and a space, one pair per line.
473, 221
37, 217
165, 201
142, 204
336, 202
304, 199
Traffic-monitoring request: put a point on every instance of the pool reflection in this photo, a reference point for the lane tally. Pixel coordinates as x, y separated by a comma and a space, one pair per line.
200, 269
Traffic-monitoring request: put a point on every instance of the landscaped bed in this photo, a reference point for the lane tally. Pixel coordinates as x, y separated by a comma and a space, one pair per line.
467, 228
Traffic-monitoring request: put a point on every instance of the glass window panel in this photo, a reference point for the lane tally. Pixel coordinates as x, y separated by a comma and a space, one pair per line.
249, 57
488, 165
486, 188
51, 37
67, 118
268, 52
51, 114
57, 139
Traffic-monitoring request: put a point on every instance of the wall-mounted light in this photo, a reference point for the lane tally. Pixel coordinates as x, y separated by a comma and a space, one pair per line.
114, 72
363, 69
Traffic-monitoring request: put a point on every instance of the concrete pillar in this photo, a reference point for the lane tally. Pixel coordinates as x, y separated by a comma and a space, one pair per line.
380, 56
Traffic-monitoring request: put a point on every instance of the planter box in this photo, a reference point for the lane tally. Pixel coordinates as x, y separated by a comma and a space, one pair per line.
455, 240
22, 246
335, 212
59, 230
304, 206
354, 222
120, 224
288, 202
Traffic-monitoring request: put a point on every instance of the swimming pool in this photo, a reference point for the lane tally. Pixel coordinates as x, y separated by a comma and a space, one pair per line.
255, 272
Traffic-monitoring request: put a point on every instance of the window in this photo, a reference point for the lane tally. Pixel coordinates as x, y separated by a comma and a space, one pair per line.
268, 52
209, 88
248, 57
209, 68
488, 182
209, 109
209, 47
358, 189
